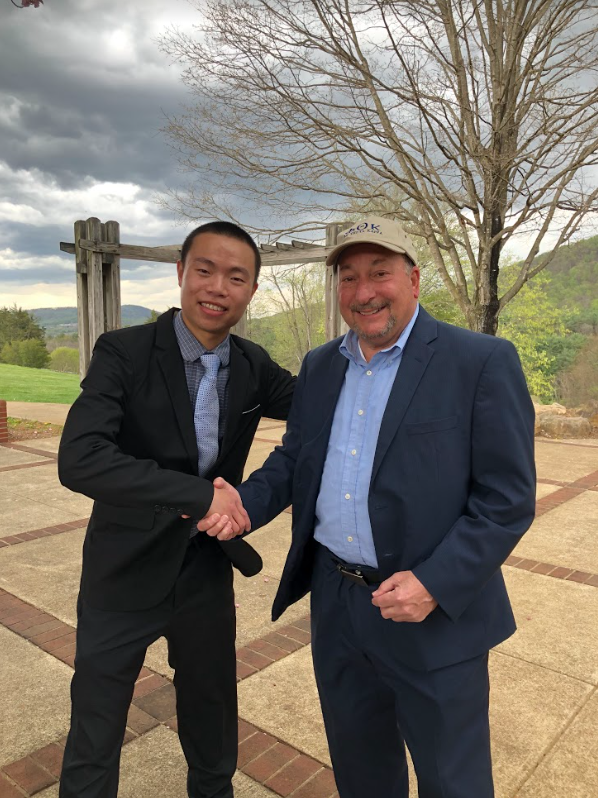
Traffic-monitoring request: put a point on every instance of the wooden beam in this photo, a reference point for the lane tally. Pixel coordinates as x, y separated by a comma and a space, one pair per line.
286, 255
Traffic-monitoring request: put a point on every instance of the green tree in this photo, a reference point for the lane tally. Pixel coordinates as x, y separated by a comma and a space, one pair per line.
17, 324
65, 359
153, 316
31, 353
532, 324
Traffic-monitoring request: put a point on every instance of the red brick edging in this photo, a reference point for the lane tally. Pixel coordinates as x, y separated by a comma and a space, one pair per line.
23, 537
21, 447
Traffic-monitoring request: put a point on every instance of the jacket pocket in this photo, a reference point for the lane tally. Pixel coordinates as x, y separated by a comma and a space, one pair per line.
124, 516
434, 425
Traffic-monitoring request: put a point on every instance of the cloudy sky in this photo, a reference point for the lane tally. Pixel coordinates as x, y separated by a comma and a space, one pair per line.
83, 93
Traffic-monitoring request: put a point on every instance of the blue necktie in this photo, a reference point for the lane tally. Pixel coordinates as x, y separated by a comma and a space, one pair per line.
206, 414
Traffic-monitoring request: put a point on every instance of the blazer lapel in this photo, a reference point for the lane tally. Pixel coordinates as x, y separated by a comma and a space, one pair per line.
414, 363
171, 364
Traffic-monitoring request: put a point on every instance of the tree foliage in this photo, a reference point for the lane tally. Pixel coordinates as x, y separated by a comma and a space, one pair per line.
487, 108
65, 359
17, 324
31, 352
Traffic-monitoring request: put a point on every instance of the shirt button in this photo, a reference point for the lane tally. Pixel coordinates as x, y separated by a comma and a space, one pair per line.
347, 495
350, 539
360, 412
353, 452
369, 373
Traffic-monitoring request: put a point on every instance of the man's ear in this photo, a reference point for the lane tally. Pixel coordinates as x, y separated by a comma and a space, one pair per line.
253, 290
180, 268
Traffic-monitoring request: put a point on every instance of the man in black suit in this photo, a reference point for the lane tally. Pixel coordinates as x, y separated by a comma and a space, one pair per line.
164, 408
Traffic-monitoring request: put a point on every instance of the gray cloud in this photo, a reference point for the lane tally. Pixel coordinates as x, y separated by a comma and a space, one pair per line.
84, 89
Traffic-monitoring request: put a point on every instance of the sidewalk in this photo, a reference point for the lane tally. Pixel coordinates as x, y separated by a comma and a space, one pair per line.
544, 679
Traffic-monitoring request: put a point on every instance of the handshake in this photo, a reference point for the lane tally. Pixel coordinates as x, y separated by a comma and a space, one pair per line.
226, 517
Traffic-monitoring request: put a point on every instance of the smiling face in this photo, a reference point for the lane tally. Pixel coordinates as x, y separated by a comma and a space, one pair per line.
217, 282
377, 294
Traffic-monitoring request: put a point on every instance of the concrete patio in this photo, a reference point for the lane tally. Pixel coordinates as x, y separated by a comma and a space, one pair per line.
544, 679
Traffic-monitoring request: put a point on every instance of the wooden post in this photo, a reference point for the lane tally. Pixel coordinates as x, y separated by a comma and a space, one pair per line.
335, 324
98, 286
82, 303
111, 275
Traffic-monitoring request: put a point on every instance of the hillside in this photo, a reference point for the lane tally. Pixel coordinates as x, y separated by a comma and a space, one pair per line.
64, 320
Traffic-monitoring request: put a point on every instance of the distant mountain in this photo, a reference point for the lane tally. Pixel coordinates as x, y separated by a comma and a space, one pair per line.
64, 320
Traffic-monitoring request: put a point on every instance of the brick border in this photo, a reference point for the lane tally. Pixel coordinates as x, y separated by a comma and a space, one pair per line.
20, 447
26, 465
556, 571
266, 759
23, 537
562, 442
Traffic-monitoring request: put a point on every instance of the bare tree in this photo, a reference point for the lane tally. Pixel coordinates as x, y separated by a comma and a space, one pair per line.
298, 293
485, 109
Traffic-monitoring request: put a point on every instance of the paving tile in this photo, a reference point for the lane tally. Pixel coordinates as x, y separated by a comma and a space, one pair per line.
140, 721
41, 714
46, 573
8, 789
160, 703
563, 462
283, 700
253, 658
564, 536
50, 757
293, 775
570, 768
20, 515
322, 785
530, 707
146, 686
545, 490
253, 747
12, 457
557, 624
29, 775
270, 762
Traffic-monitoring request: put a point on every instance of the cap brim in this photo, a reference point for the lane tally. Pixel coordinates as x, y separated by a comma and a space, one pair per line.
332, 257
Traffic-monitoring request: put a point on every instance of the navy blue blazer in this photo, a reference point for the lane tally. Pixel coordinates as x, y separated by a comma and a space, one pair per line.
452, 488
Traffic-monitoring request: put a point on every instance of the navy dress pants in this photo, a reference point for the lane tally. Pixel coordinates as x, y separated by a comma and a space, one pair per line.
198, 620
373, 704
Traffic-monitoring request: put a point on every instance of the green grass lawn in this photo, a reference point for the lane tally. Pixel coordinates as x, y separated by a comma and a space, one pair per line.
20, 384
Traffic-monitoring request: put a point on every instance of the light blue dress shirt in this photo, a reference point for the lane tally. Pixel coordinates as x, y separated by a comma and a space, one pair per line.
342, 517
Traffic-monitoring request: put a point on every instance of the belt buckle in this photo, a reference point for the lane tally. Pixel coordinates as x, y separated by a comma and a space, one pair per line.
355, 576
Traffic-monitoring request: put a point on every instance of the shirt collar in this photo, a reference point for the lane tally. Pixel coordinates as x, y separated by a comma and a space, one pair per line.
192, 349
351, 348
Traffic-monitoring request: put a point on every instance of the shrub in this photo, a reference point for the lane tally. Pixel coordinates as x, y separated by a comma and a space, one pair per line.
65, 359
31, 353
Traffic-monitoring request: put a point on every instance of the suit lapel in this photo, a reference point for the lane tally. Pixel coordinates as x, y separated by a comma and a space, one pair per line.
173, 370
414, 363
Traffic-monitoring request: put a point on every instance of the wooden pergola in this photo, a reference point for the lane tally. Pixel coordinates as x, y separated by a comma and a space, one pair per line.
97, 250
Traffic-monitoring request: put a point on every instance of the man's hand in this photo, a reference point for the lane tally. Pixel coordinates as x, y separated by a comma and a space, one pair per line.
226, 517
402, 597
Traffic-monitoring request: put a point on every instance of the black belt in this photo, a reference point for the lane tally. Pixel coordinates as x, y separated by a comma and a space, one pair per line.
360, 574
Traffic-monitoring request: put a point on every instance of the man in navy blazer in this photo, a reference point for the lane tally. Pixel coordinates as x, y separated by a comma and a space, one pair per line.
408, 459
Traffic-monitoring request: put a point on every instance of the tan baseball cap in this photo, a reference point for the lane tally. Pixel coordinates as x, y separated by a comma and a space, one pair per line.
387, 233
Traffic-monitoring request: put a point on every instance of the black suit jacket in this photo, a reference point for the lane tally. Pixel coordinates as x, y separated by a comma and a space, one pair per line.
452, 487
129, 443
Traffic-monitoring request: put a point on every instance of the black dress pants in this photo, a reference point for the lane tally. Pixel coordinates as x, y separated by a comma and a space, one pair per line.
198, 620
373, 704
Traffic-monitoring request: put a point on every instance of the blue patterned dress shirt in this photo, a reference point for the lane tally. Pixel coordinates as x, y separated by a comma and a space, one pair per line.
342, 517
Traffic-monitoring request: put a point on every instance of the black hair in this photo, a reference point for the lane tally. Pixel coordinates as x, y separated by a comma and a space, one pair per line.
228, 229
